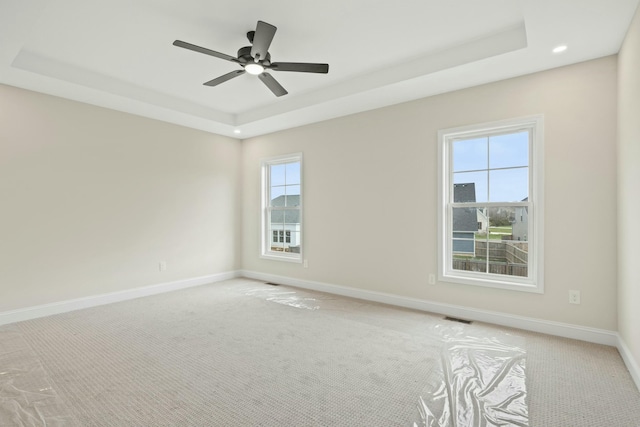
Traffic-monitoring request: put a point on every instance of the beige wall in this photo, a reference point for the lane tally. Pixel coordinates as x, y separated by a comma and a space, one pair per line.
92, 200
629, 190
371, 179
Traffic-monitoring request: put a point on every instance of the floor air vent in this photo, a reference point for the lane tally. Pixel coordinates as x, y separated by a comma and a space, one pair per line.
455, 319
272, 284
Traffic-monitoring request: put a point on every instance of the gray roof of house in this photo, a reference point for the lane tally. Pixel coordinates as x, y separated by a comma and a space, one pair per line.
465, 219
290, 200
464, 192
289, 216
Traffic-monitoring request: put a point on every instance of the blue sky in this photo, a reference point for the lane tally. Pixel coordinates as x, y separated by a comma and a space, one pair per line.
285, 179
497, 165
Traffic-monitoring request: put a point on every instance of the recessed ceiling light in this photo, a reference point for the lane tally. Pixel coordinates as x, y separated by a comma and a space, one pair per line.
560, 48
237, 131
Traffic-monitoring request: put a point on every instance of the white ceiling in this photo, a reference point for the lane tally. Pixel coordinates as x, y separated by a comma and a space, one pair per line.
119, 53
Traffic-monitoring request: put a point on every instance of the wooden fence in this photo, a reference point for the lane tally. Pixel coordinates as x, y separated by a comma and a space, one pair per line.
505, 257
495, 267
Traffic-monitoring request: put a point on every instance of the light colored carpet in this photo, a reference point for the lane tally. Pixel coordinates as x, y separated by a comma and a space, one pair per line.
242, 353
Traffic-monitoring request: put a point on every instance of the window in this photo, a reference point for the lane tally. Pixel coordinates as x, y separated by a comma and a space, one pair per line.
280, 236
490, 205
282, 208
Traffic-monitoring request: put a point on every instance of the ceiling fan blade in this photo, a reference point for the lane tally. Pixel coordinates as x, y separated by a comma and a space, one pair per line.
224, 78
250, 35
303, 67
204, 50
272, 84
262, 39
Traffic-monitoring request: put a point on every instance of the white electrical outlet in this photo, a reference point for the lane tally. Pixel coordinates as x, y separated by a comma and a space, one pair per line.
432, 279
574, 297
162, 265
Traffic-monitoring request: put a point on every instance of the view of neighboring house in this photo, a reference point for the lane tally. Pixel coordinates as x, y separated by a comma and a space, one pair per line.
469, 221
498, 251
285, 224
483, 221
465, 220
521, 223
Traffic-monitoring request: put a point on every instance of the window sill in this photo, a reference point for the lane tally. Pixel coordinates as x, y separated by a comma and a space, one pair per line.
280, 256
494, 282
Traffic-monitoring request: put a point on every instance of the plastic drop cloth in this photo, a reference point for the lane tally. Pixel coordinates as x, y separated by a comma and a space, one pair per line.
284, 297
26, 396
481, 380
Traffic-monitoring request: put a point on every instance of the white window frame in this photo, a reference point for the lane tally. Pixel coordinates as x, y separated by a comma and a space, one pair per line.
266, 232
535, 281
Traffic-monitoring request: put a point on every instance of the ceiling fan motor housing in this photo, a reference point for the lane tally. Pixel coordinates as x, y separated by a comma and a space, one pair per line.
244, 56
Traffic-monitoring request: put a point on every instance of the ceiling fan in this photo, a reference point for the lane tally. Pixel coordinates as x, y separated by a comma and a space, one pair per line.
256, 59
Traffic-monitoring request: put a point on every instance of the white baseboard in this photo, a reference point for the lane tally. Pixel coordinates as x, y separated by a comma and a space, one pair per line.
598, 336
108, 298
632, 365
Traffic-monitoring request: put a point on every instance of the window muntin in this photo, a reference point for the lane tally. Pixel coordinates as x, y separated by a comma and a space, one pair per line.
282, 208
490, 185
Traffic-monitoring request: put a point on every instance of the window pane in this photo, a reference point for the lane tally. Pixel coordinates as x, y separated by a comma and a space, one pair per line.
278, 231
508, 245
292, 218
464, 228
293, 173
293, 189
520, 224
277, 196
500, 219
463, 263
292, 201
294, 246
509, 185
511, 150
502, 249
277, 219
470, 187
468, 253
463, 244
277, 174
470, 154
497, 265
483, 224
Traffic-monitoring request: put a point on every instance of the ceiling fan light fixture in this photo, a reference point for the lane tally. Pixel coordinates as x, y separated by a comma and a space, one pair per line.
559, 49
254, 69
